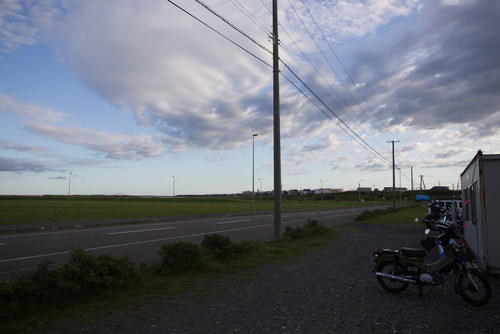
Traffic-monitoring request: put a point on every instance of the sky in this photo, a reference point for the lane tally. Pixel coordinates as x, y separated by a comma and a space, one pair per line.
163, 97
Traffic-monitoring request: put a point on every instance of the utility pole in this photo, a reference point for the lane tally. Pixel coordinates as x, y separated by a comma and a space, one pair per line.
278, 225
393, 174
422, 182
253, 171
412, 197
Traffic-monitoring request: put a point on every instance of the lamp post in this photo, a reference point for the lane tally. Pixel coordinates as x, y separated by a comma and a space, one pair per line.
69, 187
253, 171
173, 189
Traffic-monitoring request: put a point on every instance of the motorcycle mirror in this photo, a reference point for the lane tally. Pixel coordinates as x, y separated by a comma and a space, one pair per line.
416, 220
427, 231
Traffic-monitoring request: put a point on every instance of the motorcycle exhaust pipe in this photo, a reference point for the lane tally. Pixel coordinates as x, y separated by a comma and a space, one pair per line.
397, 278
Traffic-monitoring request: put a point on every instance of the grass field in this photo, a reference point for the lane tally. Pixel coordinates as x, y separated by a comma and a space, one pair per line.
25, 210
394, 216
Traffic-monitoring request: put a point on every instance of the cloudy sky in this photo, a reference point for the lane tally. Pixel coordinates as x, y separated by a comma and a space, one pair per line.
130, 97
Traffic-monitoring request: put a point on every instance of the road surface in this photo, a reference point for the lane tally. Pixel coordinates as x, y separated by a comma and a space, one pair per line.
23, 251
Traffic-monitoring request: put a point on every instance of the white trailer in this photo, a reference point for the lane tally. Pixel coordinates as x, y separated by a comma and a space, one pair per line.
481, 209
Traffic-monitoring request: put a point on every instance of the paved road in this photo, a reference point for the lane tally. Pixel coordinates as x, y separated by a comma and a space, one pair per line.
23, 250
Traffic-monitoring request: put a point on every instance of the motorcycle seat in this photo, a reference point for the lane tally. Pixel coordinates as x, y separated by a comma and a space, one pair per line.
413, 252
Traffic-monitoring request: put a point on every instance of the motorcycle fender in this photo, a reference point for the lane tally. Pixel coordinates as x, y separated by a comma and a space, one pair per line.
382, 258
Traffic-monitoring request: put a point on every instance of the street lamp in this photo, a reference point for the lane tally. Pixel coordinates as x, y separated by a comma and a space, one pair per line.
173, 190
253, 171
69, 187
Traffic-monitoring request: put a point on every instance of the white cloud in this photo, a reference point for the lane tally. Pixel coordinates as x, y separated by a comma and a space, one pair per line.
425, 67
50, 124
21, 147
113, 146
30, 111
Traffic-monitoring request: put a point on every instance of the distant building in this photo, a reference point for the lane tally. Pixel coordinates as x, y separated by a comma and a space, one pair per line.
440, 188
389, 189
327, 191
364, 190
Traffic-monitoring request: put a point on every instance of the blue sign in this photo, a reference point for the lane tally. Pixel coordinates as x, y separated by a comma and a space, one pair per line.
422, 198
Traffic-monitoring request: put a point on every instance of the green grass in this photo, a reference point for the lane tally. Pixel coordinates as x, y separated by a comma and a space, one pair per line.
90, 286
398, 216
59, 209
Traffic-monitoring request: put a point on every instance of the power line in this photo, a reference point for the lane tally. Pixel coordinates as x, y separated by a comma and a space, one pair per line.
333, 113
233, 26
219, 33
252, 17
340, 62
346, 128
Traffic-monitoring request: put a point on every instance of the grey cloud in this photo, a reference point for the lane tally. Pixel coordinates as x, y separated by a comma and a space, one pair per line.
58, 178
20, 147
113, 146
21, 166
453, 62
219, 125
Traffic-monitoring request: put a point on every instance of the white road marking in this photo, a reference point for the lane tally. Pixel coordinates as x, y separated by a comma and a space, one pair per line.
233, 221
294, 221
3, 244
137, 243
33, 257
147, 230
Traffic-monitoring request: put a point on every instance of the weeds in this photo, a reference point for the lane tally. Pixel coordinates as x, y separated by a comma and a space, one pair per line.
397, 216
312, 228
86, 277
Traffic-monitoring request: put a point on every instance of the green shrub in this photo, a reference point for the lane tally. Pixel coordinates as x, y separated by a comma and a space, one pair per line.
368, 214
180, 257
220, 246
244, 247
312, 228
82, 277
94, 274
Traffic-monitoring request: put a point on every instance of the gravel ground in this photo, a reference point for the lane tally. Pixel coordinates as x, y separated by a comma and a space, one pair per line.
330, 290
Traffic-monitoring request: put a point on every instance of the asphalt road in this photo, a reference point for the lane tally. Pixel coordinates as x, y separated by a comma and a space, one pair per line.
22, 251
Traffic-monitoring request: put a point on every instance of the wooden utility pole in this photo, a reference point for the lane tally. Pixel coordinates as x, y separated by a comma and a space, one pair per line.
278, 225
412, 197
393, 174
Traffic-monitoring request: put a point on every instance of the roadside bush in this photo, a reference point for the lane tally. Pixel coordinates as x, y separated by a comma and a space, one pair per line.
220, 246
368, 214
82, 277
88, 273
312, 228
244, 247
180, 257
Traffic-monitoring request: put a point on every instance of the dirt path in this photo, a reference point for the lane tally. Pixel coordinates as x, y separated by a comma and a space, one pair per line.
330, 290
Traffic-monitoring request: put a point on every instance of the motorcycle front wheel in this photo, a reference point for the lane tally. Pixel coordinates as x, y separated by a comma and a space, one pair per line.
390, 284
468, 291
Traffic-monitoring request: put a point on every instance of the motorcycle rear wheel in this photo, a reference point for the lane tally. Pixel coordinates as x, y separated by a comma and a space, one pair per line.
469, 293
391, 285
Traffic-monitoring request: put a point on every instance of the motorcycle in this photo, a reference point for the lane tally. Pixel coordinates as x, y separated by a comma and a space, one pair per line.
396, 269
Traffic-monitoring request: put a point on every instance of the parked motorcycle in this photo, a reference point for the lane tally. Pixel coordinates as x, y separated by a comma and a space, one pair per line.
396, 269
